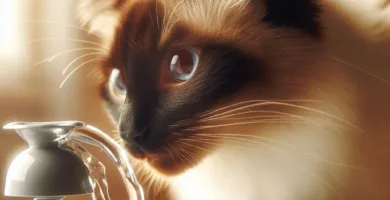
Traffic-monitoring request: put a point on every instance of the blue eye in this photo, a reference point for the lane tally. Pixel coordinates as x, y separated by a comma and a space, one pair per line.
117, 82
183, 64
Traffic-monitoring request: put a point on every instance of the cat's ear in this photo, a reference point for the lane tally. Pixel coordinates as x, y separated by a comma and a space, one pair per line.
300, 14
100, 16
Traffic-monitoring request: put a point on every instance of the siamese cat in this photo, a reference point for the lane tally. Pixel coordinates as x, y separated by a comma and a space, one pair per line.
239, 100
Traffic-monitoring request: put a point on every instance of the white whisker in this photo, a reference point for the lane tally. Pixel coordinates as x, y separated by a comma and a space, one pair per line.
69, 39
172, 13
302, 118
178, 153
362, 70
254, 101
252, 139
78, 58
294, 106
51, 58
253, 112
243, 143
165, 12
195, 146
78, 67
245, 123
92, 73
172, 156
188, 153
230, 117
157, 18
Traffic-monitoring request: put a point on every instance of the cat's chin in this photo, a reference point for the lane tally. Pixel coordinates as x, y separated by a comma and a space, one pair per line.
165, 164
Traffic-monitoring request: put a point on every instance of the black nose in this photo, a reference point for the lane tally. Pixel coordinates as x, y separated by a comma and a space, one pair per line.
147, 139
134, 134
138, 135
140, 126
135, 131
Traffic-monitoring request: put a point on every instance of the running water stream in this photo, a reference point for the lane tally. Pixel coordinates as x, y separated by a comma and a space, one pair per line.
94, 136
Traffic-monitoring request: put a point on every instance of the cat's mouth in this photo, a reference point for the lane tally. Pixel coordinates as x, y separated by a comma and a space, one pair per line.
148, 156
163, 161
140, 154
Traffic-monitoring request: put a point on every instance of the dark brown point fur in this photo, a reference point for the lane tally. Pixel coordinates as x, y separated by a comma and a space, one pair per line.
241, 49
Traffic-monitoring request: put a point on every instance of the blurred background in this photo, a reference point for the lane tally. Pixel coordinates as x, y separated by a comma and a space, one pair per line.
39, 38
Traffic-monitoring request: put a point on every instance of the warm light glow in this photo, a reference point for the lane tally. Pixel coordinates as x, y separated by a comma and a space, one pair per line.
369, 17
9, 29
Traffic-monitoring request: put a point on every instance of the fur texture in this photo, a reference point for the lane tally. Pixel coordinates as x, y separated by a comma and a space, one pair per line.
267, 114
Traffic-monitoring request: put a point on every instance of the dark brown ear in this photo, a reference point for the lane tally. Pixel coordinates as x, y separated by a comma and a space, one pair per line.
100, 16
299, 14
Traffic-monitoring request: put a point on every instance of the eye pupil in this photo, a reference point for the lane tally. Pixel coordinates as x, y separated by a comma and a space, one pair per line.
183, 64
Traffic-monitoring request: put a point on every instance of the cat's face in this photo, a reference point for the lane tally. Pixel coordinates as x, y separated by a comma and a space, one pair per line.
186, 74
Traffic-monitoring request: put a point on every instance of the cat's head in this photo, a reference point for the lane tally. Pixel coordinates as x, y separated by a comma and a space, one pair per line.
184, 73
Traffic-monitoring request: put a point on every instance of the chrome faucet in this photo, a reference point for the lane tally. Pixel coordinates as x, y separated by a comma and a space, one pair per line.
56, 165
